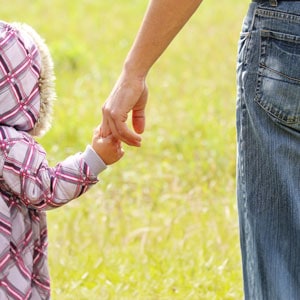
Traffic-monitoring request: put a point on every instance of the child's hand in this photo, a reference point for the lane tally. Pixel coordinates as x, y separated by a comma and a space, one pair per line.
108, 148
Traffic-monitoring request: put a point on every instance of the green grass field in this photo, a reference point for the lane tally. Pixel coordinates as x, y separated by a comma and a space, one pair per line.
162, 223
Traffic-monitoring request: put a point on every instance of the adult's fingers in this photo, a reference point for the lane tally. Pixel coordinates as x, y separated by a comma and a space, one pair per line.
121, 132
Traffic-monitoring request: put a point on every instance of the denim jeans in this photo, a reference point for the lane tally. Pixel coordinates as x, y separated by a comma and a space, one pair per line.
268, 134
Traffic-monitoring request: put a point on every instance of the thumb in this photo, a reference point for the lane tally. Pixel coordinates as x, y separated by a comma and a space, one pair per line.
138, 121
138, 113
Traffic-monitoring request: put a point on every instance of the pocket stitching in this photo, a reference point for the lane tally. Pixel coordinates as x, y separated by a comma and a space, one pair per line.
270, 108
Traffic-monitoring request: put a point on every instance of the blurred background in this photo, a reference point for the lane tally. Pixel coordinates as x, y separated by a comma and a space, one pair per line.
162, 223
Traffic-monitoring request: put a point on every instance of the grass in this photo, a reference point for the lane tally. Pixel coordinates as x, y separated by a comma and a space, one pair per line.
162, 223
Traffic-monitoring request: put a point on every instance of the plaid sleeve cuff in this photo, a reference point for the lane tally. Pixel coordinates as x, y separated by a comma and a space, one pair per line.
93, 160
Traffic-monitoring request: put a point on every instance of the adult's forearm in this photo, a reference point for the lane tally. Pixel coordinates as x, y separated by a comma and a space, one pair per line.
162, 22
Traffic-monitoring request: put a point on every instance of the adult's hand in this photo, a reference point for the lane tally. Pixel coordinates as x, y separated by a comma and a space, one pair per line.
161, 23
128, 95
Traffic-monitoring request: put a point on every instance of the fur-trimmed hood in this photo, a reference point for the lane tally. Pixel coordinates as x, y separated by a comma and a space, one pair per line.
26, 79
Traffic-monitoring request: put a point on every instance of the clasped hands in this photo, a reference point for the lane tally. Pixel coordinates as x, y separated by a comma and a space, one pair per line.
128, 96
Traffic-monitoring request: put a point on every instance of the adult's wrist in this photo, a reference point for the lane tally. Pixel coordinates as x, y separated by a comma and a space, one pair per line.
134, 69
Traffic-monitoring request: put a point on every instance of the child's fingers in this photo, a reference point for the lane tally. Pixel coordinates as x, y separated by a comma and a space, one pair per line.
111, 139
121, 152
104, 129
97, 132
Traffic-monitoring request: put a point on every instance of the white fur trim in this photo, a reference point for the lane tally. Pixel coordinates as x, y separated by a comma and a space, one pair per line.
46, 81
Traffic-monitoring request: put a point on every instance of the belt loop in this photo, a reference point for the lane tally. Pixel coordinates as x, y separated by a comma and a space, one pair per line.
273, 2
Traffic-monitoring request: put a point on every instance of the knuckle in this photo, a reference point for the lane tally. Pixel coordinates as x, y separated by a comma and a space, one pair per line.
105, 109
114, 114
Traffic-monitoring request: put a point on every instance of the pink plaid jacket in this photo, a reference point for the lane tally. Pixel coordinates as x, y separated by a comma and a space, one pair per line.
28, 186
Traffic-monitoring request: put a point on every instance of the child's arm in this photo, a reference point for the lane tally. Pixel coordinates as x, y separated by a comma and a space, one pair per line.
25, 173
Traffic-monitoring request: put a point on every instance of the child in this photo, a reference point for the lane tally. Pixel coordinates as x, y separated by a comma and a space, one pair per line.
28, 186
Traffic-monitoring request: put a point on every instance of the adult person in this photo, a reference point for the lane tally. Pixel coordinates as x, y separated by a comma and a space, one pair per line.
268, 131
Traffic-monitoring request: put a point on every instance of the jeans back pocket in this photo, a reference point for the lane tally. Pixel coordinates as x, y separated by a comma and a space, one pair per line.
278, 85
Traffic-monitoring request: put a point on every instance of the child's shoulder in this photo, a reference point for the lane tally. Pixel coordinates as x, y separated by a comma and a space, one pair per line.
8, 133
10, 137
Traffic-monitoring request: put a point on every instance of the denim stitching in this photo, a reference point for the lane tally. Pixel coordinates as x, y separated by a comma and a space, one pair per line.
277, 15
269, 107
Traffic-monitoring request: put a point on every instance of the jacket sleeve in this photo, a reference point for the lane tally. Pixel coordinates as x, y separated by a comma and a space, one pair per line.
26, 173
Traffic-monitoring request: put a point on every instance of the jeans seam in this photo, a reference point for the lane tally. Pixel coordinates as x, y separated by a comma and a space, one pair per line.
269, 13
